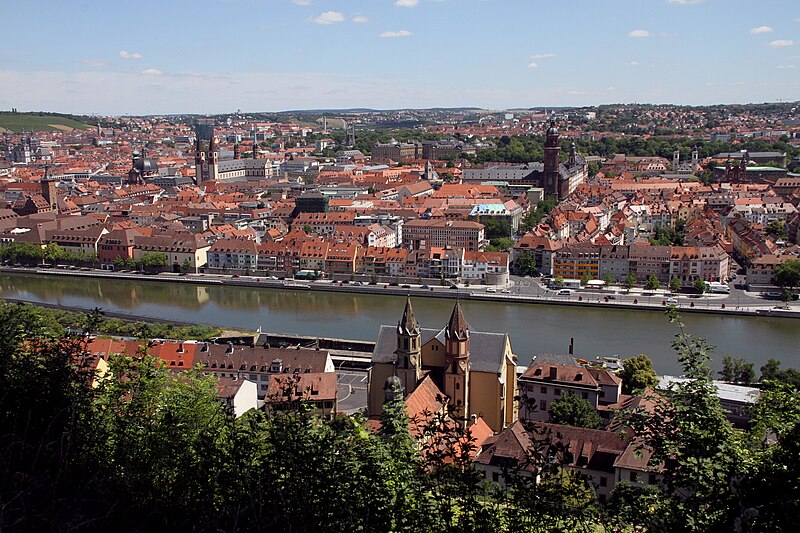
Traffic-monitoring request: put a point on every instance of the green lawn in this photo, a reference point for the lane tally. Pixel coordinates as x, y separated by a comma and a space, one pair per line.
19, 122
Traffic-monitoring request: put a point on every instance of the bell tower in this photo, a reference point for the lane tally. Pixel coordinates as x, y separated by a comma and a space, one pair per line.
456, 375
551, 160
409, 349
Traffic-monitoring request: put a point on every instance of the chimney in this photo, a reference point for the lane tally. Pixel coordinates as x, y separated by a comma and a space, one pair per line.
553, 372
571, 345
205, 347
180, 347
473, 419
229, 351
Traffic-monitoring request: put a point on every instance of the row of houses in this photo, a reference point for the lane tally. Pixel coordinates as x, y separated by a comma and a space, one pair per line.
687, 263
292, 255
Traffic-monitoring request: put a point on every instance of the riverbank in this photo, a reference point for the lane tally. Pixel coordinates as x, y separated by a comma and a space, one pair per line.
581, 299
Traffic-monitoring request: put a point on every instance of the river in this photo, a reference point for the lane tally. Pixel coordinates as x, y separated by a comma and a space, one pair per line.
533, 329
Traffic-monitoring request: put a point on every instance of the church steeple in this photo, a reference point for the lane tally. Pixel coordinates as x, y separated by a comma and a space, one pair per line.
456, 374
408, 365
456, 336
457, 328
408, 325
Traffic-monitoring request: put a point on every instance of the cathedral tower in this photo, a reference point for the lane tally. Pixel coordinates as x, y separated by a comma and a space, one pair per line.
552, 149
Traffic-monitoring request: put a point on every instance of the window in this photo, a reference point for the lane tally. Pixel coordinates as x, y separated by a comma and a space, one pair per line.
557, 392
603, 481
634, 477
651, 479
585, 395
542, 405
544, 390
496, 477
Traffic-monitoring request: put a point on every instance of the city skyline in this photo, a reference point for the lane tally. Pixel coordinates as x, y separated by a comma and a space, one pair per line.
217, 56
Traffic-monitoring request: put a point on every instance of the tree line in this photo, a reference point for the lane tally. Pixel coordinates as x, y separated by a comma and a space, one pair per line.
147, 449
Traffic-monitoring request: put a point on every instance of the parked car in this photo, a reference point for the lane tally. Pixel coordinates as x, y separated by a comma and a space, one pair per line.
405, 286
425, 287
565, 292
491, 289
671, 300
505, 291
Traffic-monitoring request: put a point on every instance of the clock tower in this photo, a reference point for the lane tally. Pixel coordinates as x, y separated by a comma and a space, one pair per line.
408, 364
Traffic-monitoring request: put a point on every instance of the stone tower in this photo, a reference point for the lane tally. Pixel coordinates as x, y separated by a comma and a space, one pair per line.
456, 375
409, 349
206, 162
552, 150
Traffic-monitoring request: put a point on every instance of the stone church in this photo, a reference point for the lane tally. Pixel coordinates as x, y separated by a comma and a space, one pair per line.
475, 371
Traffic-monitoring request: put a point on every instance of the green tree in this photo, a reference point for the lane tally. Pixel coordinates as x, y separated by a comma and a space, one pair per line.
608, 279
186, 266
787, 276
585, 279
687, 432
652, 283
153, 260
525, 264
308, 229
700, 286
496, 229
675, 284
630, 281
558, 282
736, 370
571, 410
637, 374
52, 253
776, 228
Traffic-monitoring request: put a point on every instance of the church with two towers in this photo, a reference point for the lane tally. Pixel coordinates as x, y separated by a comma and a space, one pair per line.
474, 371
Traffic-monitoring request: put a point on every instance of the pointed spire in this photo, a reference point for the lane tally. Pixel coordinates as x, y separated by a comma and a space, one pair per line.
457, 328
408, 325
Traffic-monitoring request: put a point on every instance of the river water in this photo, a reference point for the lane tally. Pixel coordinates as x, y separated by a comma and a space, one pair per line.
533, 329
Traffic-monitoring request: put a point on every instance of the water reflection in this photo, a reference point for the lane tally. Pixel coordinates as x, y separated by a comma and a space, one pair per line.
533, 328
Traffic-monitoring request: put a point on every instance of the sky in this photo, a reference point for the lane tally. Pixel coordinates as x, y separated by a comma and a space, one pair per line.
117, 57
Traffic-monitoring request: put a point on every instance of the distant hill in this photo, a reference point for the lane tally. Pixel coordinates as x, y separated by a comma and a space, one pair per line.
19, 122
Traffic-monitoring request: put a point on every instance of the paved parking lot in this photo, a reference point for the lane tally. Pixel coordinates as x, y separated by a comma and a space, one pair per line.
352, 390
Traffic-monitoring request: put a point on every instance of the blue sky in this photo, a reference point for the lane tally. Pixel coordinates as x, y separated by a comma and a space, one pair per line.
216, 56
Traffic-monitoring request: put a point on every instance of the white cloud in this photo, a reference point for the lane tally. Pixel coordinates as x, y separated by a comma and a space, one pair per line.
130, 55
360, 19
96, 63
406, 3
302, 2
533, 65
781, 43
401, 33
634, 63
542, 56
684, 2
739, 83
329, 17
761, 29
152, 72
639, 33
785, 66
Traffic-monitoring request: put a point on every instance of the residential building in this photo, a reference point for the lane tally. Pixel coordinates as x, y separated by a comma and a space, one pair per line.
423, 234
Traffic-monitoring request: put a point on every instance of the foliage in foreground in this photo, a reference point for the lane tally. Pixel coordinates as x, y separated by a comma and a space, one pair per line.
151, 450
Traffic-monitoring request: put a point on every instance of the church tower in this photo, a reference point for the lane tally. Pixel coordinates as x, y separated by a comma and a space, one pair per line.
456, 375
695, 158
551, 161
676, 160
236, 149
206, 162
409, 349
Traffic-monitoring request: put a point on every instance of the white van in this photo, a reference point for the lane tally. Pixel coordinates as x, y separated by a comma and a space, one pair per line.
565, 292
